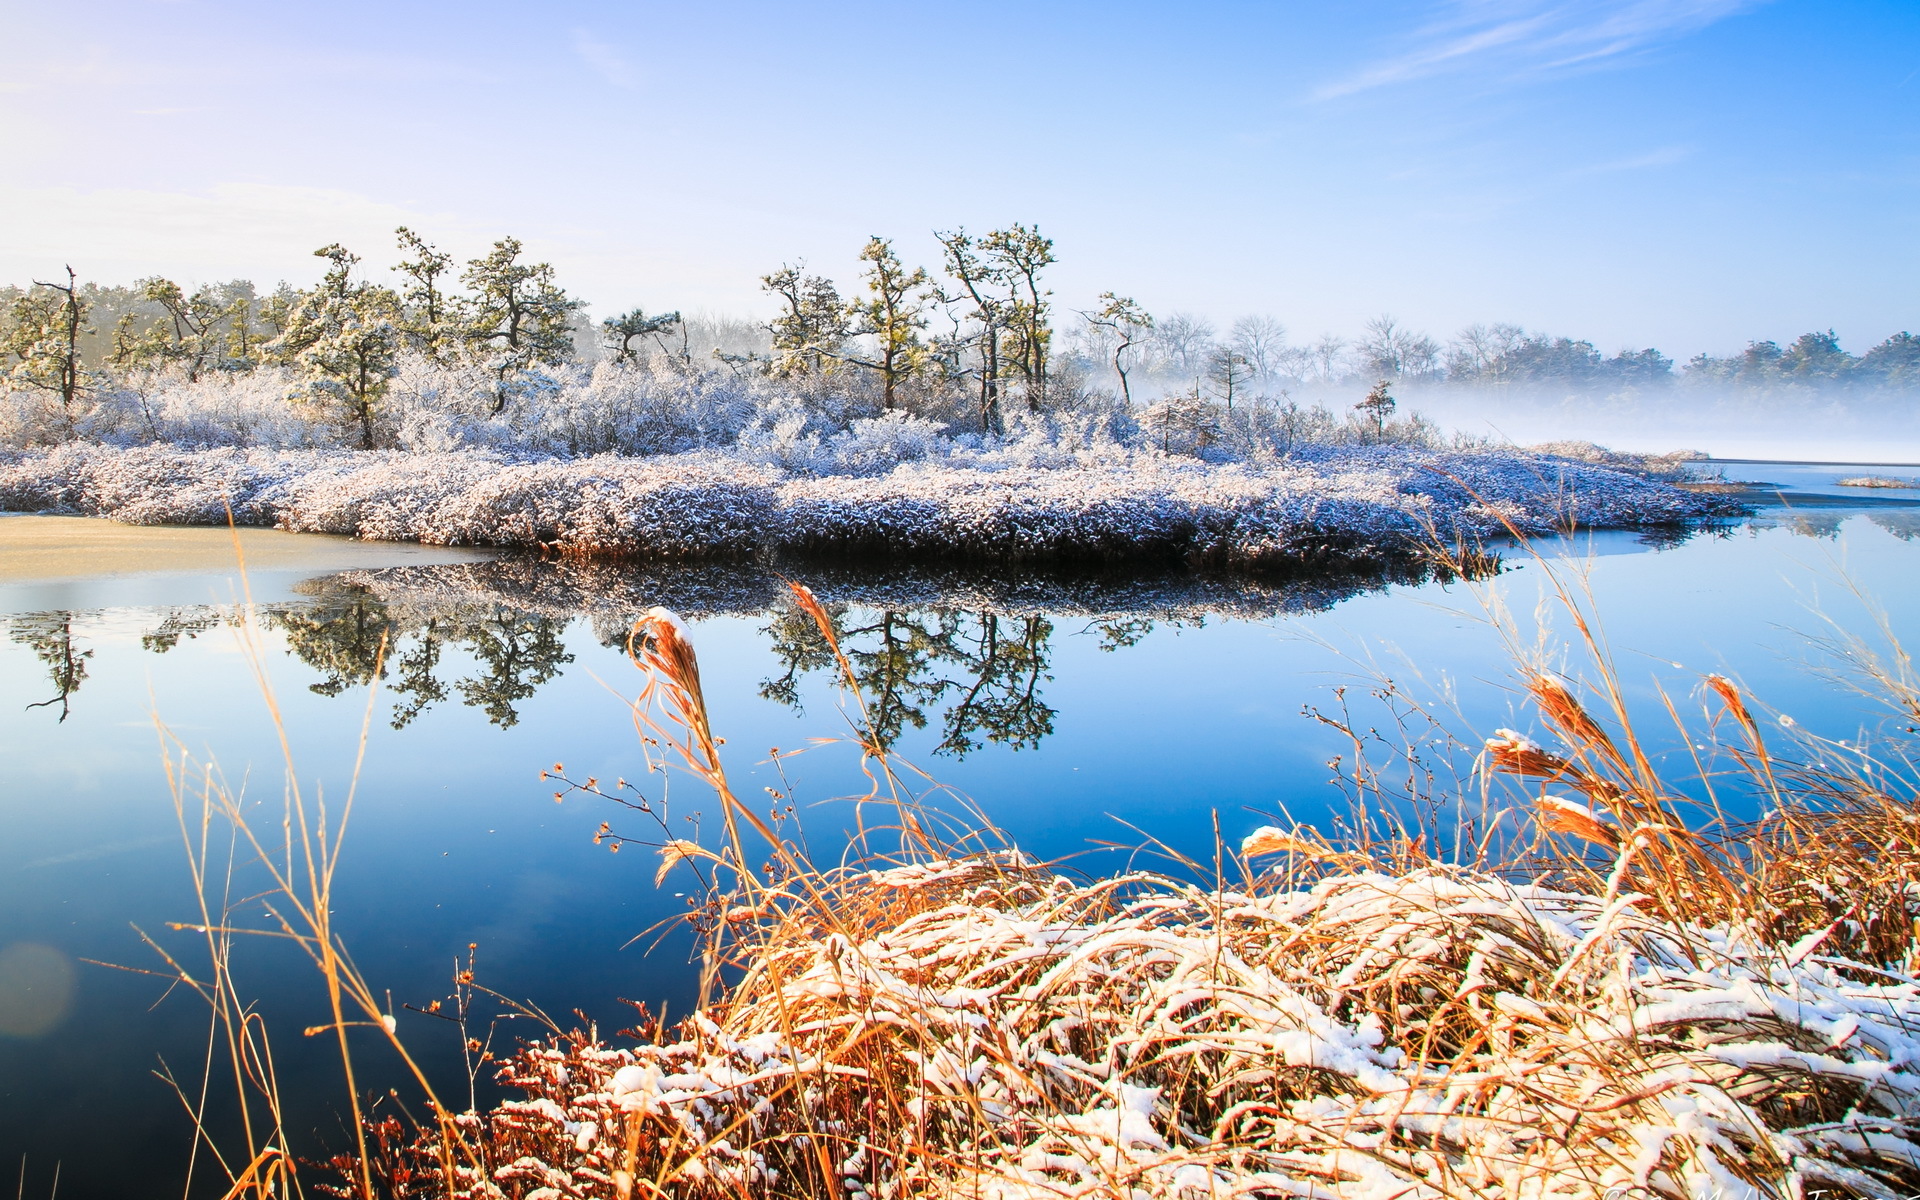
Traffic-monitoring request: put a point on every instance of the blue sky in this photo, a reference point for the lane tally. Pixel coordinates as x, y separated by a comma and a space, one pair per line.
1686, 174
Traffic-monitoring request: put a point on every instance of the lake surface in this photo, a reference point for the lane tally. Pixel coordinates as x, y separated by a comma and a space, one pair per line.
1075, 711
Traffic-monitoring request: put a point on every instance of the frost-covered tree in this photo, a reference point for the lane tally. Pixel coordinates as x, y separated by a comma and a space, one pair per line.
428, 317
1128, 324
985, 313
516, 316
811, 335
1019, 253
892, 314
619, 333
345, 338
42, 340
1376, 410
209, 328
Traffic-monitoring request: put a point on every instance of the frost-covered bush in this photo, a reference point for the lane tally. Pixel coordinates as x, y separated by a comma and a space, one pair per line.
1108, 503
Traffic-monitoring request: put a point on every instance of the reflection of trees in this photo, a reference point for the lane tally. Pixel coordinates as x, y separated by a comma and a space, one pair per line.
50, 637
342, 633
984, 668
520, 652
188, 624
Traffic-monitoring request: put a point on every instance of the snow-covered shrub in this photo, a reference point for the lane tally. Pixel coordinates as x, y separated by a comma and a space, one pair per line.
1358, 503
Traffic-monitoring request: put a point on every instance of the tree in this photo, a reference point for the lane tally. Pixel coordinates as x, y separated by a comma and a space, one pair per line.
989, 311
1816, 358
43, 339
517, 315
1229, 371
1377, 410
1129, 323
1479, 352
618, 333
50, 637
1647, 366
1261, 341
277, 309
1020, 253
811, 334
893, 314
345, 337
192, 333
1390, 349
1894, 361
1328, 356
429, 310
1187, 340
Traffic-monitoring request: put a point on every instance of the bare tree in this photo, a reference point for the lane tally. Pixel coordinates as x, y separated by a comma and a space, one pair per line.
1186, 340
1229, 371
1328, 356
1481, 351
1391, 350
1261, 341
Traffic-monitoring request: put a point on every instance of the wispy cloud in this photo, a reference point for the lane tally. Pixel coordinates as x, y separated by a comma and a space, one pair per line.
1519, 37
1666, 156
605, 59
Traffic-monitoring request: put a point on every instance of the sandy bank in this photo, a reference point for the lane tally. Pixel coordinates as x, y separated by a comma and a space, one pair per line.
37, 548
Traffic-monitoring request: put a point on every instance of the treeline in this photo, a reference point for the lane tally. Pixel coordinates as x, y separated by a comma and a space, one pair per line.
965, 345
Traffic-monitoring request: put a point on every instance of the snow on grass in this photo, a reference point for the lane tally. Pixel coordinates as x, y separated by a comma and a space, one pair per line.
981, 1028
1354, 503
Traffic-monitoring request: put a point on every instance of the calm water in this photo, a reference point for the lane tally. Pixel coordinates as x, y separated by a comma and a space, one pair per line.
1069, 709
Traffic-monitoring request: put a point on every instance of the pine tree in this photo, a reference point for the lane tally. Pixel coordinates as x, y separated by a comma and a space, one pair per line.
1377, 410
618, 333
429, 309
1020, 254
989, 311
345, 338
893, 315
517, 315
1128, 323
42, 337
810, 336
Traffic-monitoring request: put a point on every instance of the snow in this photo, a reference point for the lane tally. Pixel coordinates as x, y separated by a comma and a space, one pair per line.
1147, 1036
1341, 504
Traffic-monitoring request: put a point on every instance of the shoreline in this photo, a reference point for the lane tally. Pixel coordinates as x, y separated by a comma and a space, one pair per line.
1324, 509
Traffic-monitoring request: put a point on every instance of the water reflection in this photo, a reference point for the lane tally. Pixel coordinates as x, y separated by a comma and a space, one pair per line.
351, 636
970, 654
983, 667
50, 637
